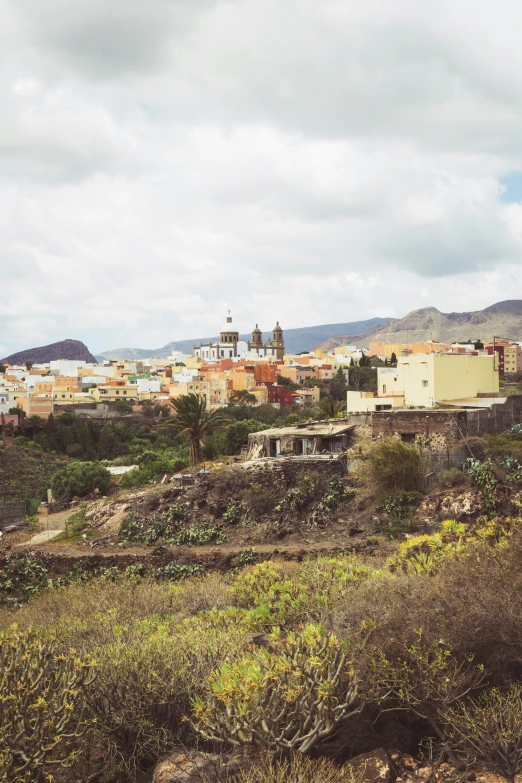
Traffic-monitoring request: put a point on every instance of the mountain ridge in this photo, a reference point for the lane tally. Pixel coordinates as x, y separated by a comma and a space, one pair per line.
63, 349
296, 340
502, 319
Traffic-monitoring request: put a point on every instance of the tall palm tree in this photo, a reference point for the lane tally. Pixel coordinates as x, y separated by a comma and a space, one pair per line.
330, 408
192, 419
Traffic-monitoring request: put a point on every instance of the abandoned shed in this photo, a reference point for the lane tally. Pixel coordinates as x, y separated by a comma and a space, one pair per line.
306, 439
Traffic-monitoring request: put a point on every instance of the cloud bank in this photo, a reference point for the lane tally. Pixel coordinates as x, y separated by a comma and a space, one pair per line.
308, 162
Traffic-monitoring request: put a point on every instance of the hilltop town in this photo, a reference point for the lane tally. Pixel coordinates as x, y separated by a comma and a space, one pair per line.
242, 506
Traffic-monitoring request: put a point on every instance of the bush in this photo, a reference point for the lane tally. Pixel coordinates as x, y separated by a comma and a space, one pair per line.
79, 479
41, 710
146, 684
390, 466
454, 477
285, 596
297, 769
290, 696
489, 731
21, 577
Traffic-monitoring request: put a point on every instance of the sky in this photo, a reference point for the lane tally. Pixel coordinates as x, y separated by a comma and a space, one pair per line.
308, 162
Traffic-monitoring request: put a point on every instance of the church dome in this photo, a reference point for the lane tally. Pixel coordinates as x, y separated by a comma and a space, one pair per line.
257, 330
228, 328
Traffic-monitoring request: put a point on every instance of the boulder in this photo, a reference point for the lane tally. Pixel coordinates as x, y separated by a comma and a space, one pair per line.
192, 767
374, 767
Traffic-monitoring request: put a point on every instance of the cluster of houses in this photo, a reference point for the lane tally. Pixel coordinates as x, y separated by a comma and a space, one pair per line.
419, 377
257, 371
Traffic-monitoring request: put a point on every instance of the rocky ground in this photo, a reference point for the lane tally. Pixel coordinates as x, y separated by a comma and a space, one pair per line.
225, 515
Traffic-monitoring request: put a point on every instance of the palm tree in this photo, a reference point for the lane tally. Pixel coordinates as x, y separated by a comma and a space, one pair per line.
192, 419
330, 408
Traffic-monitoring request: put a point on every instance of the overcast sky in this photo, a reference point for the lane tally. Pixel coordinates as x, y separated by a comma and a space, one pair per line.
162, 161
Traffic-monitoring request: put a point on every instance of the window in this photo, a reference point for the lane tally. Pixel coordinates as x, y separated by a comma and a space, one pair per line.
425, 384
384, 389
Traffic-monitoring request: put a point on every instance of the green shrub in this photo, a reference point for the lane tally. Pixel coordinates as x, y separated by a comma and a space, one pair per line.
21, 577
291, 696
78, 479
390, 466
145, 686
290, 597
41, 706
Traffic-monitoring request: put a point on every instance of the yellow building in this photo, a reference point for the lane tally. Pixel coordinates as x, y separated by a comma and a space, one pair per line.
112, 392
425, 380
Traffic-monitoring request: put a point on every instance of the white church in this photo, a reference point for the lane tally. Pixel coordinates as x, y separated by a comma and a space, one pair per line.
231, 347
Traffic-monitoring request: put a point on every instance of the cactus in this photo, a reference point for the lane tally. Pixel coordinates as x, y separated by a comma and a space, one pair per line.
40, 705
291, 695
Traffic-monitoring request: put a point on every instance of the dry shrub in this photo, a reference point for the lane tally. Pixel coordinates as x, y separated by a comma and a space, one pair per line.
390, 465
298, 769
472, 603
472, 447
453, 478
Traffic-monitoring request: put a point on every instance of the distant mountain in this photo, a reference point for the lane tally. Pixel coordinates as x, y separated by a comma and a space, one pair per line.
65, 349
503, 319
296, 340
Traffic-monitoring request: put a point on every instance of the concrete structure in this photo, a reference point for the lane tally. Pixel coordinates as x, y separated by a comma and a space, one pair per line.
425, 380
317, 438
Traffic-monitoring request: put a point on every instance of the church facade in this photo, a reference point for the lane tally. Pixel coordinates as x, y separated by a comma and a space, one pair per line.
231, 347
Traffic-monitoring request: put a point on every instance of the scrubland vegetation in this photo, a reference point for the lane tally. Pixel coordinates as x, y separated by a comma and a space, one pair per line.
374, 652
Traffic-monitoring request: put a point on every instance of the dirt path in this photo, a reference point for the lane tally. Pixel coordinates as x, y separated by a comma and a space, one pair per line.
51, 525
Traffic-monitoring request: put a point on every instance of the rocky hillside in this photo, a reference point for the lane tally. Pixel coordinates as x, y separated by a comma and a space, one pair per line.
26, 472
503, 319
65, 349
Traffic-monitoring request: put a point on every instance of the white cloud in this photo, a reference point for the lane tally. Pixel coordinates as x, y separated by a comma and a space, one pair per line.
311, 162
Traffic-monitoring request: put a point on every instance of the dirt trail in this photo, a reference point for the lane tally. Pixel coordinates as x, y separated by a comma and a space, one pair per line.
51, 525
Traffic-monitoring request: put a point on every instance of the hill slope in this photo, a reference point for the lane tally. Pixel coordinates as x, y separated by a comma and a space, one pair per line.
296, 340
503, 319
65, 349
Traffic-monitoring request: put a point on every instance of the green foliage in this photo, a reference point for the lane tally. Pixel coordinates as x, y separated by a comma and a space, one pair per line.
230, 439
390, 466
483, 477
21, 577
398, 506
164, 526
199, 534
41, 709
453, 477
339, 387
248, 557
290, 598
78, 479
332, 408
297, 497
242, 397
237, 513
334, 496
292, 695
25, 472
194, 422
151, 464
147, 680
